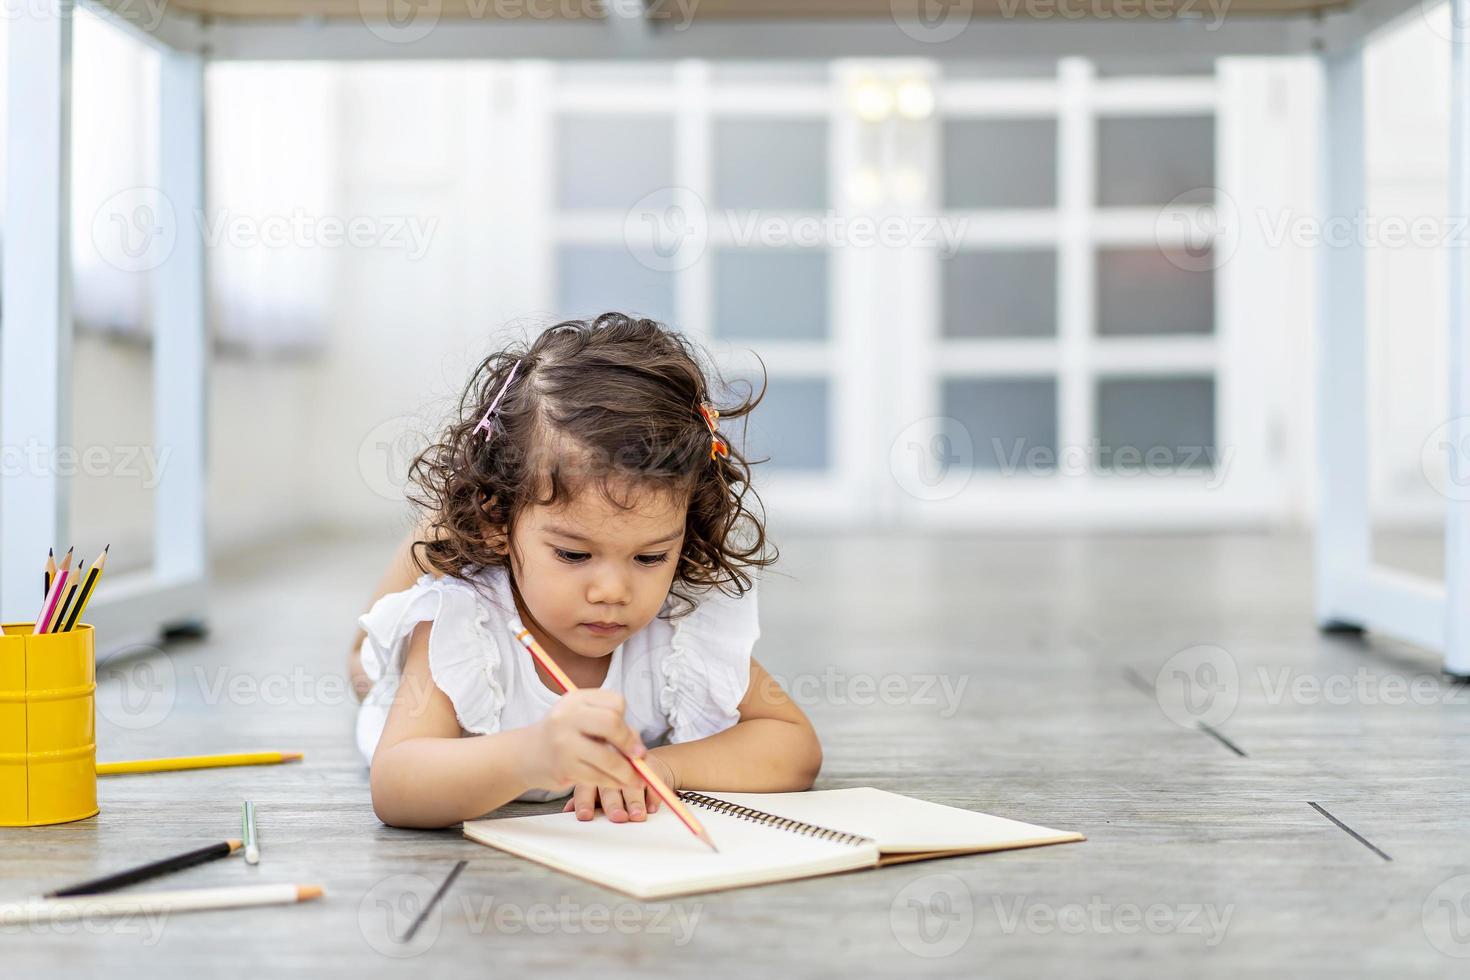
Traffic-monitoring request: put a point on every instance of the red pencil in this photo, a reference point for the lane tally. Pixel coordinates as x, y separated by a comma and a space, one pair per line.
649, 776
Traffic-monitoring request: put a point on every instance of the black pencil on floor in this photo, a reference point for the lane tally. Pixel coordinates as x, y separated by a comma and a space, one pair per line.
413, 926
144, 871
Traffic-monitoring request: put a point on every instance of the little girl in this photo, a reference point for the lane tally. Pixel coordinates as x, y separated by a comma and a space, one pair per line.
585, 489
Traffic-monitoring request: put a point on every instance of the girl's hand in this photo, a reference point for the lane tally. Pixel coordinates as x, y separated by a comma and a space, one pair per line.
576, 743
621, 804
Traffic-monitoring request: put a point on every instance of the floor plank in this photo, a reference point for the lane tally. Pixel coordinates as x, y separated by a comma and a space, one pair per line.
1036, 677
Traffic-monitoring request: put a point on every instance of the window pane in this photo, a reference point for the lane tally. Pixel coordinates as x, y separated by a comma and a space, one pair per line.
1012, 422
1144, 291
593, 279
1174, 417
1000, 294
758, 73
777, 293
615, 73
1000, 163
989, 68
789, 425
1152, 161
779, 164
611, 162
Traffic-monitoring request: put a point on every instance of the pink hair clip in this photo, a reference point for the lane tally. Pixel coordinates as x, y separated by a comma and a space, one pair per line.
485, 422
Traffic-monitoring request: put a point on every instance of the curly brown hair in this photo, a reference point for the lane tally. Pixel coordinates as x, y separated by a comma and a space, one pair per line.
611, 402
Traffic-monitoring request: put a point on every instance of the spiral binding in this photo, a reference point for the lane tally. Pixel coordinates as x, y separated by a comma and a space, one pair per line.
772, 820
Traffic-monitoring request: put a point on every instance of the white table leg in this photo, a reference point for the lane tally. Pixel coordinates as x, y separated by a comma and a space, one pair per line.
35, 346
1343, 543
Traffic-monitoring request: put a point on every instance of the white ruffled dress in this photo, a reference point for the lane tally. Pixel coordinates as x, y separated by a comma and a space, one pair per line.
682, 679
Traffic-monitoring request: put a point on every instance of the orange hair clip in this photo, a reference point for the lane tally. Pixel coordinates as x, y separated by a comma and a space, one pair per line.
718, 445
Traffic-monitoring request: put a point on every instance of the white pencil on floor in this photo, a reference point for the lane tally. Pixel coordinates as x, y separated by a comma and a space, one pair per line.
252, 846
185, 900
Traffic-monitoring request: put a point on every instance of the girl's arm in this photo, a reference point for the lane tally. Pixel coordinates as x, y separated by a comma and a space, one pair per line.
400, 574
771, 749
425, 774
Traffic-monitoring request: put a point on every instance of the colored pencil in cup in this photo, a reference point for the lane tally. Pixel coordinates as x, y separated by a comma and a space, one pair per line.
649, 776
50, 573
40, 910
71, 593
196, 762
88, 587
65, 577
53, 597
53, 608
153, 869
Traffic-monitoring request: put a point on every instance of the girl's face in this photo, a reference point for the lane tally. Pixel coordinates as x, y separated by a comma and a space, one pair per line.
591, 562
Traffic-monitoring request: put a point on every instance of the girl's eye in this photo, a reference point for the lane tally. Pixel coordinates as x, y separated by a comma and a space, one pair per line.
575, 557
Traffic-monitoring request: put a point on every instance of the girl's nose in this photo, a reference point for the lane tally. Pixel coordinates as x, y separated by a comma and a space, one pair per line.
610, 588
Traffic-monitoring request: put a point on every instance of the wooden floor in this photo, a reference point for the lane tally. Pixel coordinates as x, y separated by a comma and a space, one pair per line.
1010, 675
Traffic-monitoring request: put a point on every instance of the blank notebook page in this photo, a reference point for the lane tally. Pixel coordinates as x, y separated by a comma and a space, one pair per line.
659, 856
902, 824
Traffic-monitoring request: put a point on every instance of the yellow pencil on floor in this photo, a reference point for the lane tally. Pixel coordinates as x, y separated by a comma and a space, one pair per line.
197, 762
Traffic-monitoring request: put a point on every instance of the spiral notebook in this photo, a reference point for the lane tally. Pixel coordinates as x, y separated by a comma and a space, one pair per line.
763, 837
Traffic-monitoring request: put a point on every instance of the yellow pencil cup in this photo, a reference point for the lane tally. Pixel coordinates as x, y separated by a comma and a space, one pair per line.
48, 726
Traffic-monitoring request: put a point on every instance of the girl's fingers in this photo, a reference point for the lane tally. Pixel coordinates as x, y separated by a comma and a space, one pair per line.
637, 810
638, 805
612, 804
616, 771
584, 798
612, 729
598, 770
